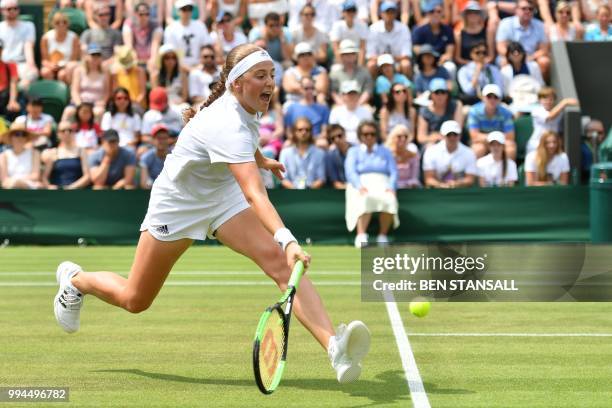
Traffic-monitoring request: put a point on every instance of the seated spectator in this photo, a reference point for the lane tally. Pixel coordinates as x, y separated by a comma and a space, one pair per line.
495, 169
372, 180
227, 36
203, 76
102, 34
277, 39
306, 66
307, 32
449, 163
156, 10
303, 161
236, 8
398, 111
474, 31
174, 8
87, 130
529, 32
143, 33
477, 74
441, 108
112, 166
307, 107
272, 131
9, 105
589, 8
545, 11
563, 29
349, 28
19, 165
187, 34
122, 118
518, 64
327, 13
37, 122
548, 164
419, 7
91, 83
116, 11
171, 75
350, 113
488, 116
429, 68
389, 36
66, 165
387, 76
60, 50
335, 157
402, 5
127, 74
438, 36
593, 139
547, 116
18, 38
602, 29
152, 162
160, 113
406, 156
349, 70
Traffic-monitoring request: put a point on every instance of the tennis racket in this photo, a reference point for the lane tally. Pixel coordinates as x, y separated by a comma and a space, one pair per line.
272, 335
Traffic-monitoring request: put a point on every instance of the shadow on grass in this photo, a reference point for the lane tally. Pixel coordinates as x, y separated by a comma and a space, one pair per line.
387, 388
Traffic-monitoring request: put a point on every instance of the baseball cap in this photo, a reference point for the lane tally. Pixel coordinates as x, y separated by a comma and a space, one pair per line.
94, 48
349, 86
492, 89
110, 135
438, 84
158, 128
385, 59
302, 48
348, 47
496, 136
8, 3
158, 98
349, 5
427, 49
179, 4
387, 5
450, 126
472, 6
430, 6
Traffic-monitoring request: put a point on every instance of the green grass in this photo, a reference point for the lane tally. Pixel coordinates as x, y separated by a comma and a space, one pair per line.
193, 346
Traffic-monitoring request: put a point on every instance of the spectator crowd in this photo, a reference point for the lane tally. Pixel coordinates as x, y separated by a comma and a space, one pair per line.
438, 85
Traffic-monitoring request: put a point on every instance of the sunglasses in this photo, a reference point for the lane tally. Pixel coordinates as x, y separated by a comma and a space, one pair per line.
121, 98
144, 14
336, 136
61, 22
308, 14
305, 54
187, 8
399, 91
305, 129
452, 134
436, 11
369, 134
308, 88
491, 96
66, 130
273, 25
440, 92
206, 56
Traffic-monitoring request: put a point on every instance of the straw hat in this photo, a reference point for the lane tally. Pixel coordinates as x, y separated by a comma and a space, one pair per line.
125, 58
166, 49
16, 127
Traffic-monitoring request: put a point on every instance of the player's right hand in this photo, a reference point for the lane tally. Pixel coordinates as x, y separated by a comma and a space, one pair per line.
295, 253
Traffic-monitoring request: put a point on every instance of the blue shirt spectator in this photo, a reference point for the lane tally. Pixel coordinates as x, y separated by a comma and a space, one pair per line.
594, 33
530, 36
439, 41
501, 120
122, 163
304, 171
360, 161
334, 160
422, 80
489, 74
153, 163
317, 114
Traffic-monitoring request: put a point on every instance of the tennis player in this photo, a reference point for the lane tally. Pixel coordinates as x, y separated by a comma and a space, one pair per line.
211, 186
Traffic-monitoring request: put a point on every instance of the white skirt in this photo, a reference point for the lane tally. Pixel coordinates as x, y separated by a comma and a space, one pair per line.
377, 199
174, 213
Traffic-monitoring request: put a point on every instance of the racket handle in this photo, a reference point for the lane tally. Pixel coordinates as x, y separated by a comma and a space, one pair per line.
296, 274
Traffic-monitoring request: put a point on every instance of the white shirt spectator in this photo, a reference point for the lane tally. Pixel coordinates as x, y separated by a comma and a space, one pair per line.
127, 126
541, 125
35, 125
341, 31
190, 39
491, 171
559, 164
349, 120
199, 83
397, 42
15, 38
458, 163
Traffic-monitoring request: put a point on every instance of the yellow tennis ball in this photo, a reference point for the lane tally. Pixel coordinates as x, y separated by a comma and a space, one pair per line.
420, 309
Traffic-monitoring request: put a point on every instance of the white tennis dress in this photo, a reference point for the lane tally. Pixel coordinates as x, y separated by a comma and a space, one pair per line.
196, 192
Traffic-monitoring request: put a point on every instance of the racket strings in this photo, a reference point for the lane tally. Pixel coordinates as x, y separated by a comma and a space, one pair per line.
271, 348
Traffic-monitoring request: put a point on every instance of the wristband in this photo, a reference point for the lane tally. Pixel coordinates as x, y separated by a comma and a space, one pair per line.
284, 237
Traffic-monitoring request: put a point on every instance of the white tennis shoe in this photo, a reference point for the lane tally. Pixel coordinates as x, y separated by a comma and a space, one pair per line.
68, 301
347, 348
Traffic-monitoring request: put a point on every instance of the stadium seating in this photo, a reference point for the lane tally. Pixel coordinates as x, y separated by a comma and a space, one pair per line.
54, 94
76, 17
523, 127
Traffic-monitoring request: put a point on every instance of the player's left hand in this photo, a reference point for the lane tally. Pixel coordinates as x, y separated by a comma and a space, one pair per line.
275, 167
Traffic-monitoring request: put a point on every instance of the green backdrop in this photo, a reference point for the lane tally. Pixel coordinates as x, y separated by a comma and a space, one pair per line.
113, 217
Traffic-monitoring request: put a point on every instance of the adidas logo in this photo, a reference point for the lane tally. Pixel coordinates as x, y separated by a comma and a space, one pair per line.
162, 229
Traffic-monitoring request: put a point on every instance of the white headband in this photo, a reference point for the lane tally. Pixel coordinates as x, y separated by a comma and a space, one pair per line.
245, 64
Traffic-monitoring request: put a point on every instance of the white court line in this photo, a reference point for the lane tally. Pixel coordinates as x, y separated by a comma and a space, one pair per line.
198, 273
415, 383
194, 283
511, 334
